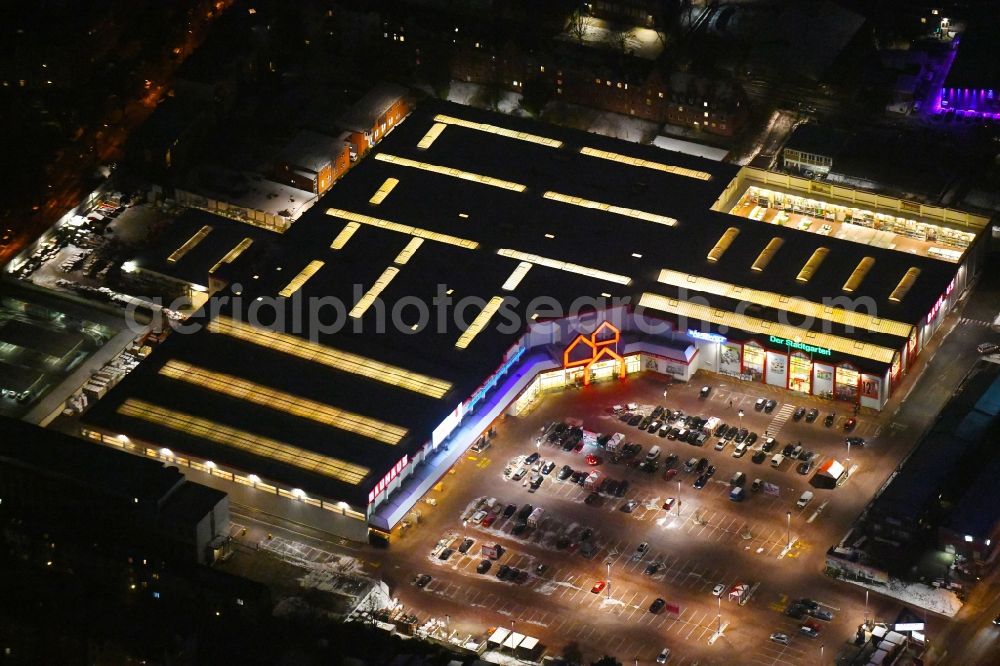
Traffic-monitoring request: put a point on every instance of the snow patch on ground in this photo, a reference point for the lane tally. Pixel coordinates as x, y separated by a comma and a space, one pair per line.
937, 600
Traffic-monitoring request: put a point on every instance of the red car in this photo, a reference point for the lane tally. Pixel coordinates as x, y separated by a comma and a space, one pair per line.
593, 460
849, 424
488, 520
598, 587
670, 473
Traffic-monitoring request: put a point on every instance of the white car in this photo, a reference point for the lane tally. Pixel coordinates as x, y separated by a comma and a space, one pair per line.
778, 637
519, 474
718, 590
804, 499
663, 656
478, 516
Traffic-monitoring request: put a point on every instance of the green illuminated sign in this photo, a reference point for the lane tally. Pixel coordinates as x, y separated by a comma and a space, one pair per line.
809, 349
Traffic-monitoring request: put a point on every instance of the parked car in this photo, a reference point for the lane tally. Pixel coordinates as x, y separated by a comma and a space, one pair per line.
821, 614
700, 482
652, 568
640, 551
670, 461
718, 590
759, 456
445, 554
809, 631
760, 404
702, 464
478, 516
804, 468
532, 458
705, 391
509, 510
988, 348
855, 441
484, 566
755, 486
598, 587
769, 407
849, 424
622, 488
466, 545
657, 606
422, 580
669, 503
690, 465
769, 444
738, 479
629, 506
811, 415
779, 638
787, 451
664, 656
564, 473
548, 467
799, 413
804, 499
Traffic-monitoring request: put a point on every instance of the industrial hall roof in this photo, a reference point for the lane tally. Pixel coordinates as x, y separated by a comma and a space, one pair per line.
455, 203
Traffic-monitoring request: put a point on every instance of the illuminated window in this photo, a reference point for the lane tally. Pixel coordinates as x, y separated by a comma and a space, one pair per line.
383, 191
232, 255
189, 244
331, 357
479, 322
408, 251
301, 278
449, 171
608, 208
754, 325
565, 266
647, 164
244, 441
241, 389
381, 283
402, 228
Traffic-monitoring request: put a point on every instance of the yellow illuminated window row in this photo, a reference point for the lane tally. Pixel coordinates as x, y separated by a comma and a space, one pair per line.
407, 252
480, 322
608, 208
407, 229
381, 283
383, 192
311, 268
762, 326
331, 357
797, 306
516, 276
565, 266
345, 235
241, 389
647, 164
233, 254
499, 131
450, 171
432, 134
189, 244
248, 442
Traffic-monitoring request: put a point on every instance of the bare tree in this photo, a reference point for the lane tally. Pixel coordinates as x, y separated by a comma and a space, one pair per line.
579, 25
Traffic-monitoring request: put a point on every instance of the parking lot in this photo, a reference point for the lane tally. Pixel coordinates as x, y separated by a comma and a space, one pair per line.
593, 590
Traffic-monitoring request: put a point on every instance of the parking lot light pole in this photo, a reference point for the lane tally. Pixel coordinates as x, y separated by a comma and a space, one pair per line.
789, 532
740, 414
848, 461
678, 499
866, 608
720, 614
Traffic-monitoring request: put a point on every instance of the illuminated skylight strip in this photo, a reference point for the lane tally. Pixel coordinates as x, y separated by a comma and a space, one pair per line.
791, 304
432, 134
189, 244
248, 442
905, 284
381, 283
345, 235
407, 252
383, 191
331, 357
647, 164
480, 322
516, 277
565, 266
767, 254
812, 265
402, 228
499, 131
301, 278
241, 389
232, 255
608, 208
450, 171
723, 244
762, 326
858, 275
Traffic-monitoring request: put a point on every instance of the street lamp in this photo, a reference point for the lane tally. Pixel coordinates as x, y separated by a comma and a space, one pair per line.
740, 414
678, 499
848, 461
789, 533
866, 608
720, 614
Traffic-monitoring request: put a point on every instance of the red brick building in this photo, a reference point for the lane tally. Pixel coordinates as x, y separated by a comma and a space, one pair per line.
312, 162
374, 116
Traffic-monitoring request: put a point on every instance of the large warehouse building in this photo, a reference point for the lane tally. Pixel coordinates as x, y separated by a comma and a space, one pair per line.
532, 235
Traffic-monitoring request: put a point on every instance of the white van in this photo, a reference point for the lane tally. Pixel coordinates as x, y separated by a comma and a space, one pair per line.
653, 454
804, 499
740, 449
777, 460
